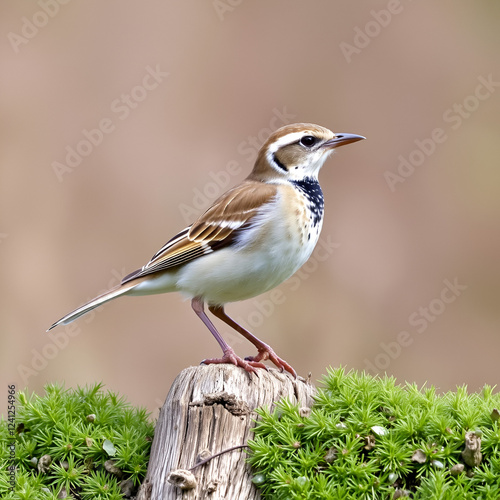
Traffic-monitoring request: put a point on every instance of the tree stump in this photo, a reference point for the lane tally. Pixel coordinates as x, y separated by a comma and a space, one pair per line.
208, 410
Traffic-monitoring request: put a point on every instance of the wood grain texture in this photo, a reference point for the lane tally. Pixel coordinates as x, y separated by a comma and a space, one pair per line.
212, 408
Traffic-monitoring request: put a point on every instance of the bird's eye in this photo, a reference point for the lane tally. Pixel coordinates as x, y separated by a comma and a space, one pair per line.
308, 141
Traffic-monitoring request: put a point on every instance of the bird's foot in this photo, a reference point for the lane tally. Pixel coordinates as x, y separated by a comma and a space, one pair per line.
268, 354
230, 357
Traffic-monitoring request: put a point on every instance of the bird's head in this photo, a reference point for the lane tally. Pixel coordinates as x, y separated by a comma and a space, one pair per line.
297, 151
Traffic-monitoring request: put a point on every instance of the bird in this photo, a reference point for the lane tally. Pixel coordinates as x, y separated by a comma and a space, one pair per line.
251, 239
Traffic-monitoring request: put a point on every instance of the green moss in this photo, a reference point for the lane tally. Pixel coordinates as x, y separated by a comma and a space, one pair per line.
365, 438
359, 442
76, 432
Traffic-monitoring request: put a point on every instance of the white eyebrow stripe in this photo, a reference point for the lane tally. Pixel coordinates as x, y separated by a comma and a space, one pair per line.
286, 139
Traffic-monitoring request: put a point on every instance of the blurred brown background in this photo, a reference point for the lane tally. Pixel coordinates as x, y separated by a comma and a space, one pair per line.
406, 279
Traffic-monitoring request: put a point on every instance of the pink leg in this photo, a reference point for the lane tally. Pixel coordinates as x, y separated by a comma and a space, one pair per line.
264, 350
228, 354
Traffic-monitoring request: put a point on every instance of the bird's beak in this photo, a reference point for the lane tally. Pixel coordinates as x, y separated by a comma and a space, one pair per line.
341, 140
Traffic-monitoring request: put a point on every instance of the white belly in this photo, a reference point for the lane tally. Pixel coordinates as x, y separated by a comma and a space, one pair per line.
266, 256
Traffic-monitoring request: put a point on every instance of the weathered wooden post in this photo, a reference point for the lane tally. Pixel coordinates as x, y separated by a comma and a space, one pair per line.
208, 410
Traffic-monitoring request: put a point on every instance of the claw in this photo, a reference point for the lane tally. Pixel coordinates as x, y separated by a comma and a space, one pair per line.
230, 357
269, 354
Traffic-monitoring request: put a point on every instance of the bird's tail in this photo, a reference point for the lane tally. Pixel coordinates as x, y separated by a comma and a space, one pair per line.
101, 299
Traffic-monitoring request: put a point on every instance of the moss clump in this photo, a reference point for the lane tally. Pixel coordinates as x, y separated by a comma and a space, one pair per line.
367, 438
83, 443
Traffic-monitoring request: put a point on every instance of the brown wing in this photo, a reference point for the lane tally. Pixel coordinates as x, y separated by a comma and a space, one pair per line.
215, 229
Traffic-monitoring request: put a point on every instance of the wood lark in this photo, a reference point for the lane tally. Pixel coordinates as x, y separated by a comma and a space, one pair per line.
251, 239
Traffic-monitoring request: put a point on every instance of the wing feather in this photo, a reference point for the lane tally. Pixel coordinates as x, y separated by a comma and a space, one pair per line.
217, 228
